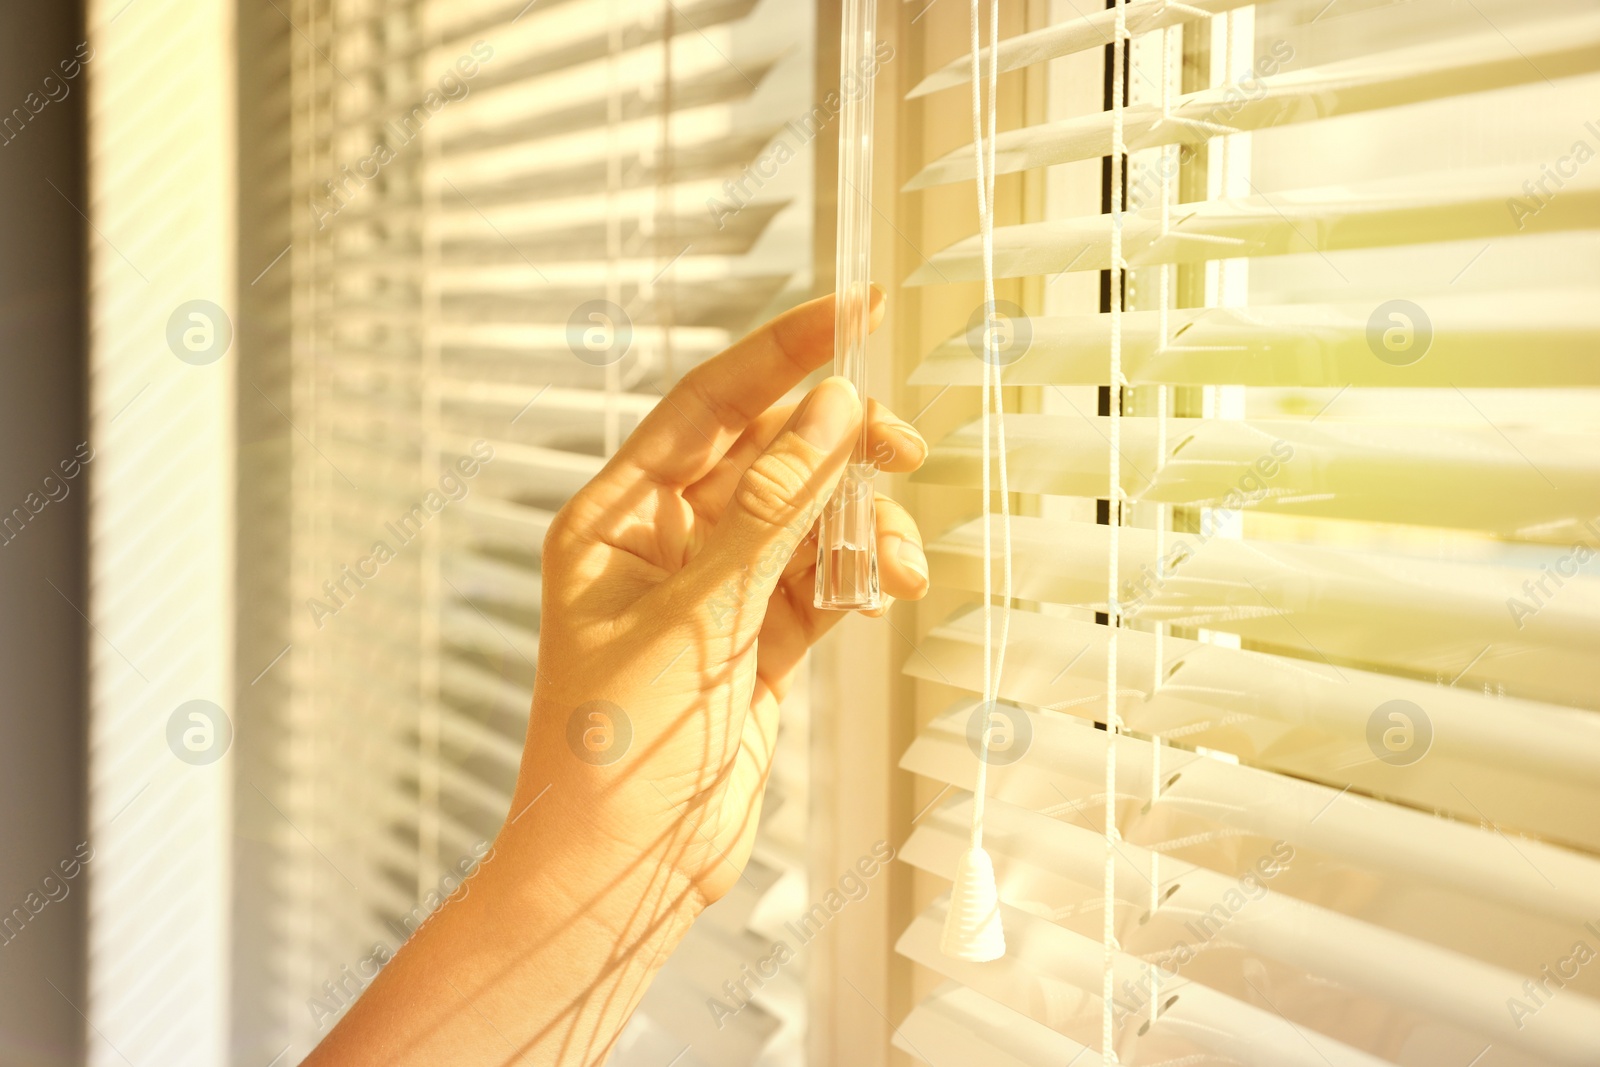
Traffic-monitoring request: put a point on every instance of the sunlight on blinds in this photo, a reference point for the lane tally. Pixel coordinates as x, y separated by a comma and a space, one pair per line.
160, 465
1343, 482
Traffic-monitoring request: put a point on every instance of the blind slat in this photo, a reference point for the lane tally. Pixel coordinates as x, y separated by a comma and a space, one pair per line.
638, 170
1400, 614
1434, 207
1508, 480
959, 1027
719, 85
1555, 334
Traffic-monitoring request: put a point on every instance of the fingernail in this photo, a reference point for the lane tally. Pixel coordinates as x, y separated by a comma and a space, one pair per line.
830, 414
910, 554
915, 441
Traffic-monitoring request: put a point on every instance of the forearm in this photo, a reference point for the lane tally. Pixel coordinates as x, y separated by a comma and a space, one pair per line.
540, 959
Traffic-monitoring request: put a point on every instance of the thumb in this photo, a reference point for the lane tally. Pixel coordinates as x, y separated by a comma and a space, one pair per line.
779, 498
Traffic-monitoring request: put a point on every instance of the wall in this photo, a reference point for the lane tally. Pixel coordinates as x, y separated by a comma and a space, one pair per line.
41, 557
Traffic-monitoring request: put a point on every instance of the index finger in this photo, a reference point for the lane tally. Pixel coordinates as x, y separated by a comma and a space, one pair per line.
695, 424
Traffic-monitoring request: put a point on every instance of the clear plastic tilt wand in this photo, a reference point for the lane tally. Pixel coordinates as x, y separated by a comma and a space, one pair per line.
847, 547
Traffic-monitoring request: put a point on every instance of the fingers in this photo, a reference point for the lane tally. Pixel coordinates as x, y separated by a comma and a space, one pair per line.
902, 567
793, 623
704, 414
777, 498
710, 494
894, 445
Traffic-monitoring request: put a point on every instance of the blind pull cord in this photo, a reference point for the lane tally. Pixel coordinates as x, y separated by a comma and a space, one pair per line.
972, 929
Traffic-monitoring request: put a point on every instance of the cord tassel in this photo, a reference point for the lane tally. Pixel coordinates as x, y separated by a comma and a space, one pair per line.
972, 929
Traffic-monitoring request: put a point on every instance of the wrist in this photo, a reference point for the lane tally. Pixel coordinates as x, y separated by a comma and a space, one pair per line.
565, 855
593, 801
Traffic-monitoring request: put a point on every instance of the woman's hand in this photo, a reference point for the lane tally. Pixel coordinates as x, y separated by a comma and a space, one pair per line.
677, 606
678, 591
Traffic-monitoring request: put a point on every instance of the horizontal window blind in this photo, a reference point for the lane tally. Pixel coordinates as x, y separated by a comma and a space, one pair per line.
1352, 531
517, 226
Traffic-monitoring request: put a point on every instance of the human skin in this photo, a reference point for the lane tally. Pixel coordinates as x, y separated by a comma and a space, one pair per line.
677, 588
